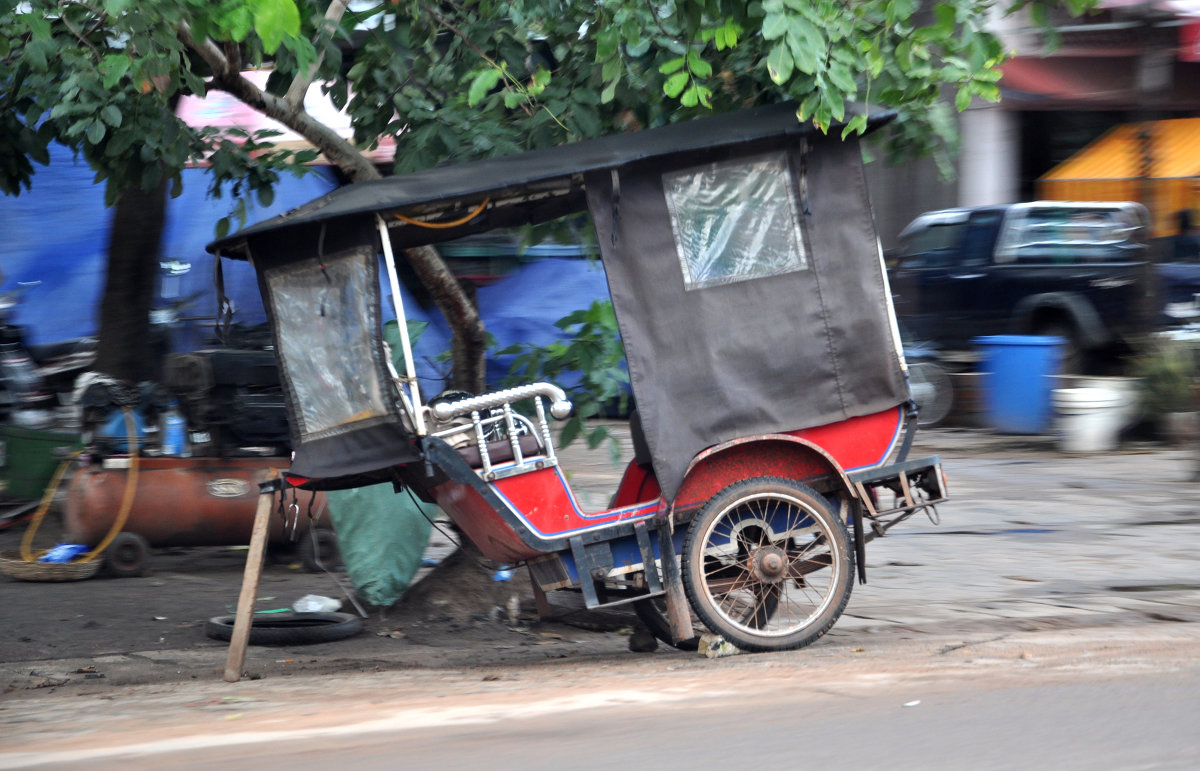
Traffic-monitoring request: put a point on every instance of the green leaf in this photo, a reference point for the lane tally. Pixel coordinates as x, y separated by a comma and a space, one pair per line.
779, 64
675, 84
611, 70
238, 21
39, 26
962, 99
857, 124
117, 7
606, 43
672, 65
804, 56
274, 20
808, 107
774, 26
483, 83
988, 91
690, 98
111, 115
95, 132
570, 430
113, 68
266, 195
697, 65
609, 92
840, 76
222, 227
946, 15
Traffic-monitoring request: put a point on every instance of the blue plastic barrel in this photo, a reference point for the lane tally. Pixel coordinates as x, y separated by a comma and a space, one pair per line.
1018, 380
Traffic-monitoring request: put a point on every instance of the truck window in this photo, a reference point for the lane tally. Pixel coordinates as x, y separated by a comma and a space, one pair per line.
980, 238
932, 246
1065, 235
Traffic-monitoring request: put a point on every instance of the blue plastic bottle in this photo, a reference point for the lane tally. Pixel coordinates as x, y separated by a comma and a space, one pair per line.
174, 438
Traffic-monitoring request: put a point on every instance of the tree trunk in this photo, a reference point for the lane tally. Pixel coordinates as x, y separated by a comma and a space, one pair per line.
468, 342
124, 350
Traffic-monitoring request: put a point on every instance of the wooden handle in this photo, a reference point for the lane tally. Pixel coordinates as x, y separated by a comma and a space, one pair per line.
245, 607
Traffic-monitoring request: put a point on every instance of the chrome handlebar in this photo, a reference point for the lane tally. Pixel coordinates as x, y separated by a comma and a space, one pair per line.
560, 406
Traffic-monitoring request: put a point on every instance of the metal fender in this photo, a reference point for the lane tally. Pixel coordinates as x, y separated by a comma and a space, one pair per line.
772, 455
1092, 331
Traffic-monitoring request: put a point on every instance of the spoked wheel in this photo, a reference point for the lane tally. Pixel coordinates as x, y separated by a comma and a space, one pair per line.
932, 391
767, 564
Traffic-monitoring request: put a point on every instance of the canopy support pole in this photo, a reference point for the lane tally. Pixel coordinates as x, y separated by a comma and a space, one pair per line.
410, 371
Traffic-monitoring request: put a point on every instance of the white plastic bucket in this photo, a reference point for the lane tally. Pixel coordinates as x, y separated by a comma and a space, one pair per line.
1088, 419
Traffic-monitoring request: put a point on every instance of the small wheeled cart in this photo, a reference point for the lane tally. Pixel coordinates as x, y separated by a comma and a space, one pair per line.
773, 415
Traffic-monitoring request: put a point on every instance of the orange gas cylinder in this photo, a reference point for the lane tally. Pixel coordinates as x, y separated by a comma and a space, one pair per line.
183, 502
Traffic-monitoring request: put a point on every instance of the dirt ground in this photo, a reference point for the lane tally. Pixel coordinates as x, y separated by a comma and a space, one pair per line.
152, 628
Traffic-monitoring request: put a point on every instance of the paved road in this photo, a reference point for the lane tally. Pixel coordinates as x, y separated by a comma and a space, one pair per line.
1080, 699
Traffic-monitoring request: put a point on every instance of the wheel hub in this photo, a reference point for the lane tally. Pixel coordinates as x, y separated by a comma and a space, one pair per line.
769, 564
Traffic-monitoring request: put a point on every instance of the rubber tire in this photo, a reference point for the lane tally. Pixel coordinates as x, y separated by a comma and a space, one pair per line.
1074, 359
938, 408
655, 619
127, 556
326, 548
693, 564
289, 628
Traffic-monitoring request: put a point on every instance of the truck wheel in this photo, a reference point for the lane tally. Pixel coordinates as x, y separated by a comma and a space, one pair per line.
1071, 355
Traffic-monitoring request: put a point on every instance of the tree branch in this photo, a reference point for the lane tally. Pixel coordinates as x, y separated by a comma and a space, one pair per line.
295, 93
212, 55
338, 150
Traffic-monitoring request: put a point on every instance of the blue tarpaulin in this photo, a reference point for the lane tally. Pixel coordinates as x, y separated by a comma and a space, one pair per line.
57, 233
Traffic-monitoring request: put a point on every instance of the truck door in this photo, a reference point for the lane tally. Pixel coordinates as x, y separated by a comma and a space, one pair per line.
977, 307
943, 266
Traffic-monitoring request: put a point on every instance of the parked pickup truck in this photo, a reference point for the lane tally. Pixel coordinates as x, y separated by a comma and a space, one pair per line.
1077, 270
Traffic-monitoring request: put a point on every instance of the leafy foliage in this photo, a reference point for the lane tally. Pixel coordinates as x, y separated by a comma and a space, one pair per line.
593, 351
466, 79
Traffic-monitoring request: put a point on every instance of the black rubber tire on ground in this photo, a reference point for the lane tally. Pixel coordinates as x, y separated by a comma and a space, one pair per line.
127, 556
323, 554
653, 613
774, 544
289, 628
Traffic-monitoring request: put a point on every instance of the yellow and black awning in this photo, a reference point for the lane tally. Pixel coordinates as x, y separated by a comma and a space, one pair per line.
1159, 160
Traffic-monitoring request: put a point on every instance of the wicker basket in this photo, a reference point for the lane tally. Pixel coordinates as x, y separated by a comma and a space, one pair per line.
13, 566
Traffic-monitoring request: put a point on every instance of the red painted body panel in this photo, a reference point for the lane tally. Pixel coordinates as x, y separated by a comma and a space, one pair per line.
482, 524
543, 503
860, 442
638, 485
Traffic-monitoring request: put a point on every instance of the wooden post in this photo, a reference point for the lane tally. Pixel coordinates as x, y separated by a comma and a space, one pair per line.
679, 617
254, 562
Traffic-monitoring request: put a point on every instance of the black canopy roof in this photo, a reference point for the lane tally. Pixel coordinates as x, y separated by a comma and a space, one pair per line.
527, 187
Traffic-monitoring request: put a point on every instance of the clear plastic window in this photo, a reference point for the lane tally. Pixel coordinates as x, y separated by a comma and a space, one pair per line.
327, 323
735, 220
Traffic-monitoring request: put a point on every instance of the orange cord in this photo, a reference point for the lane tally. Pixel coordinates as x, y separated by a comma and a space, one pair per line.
438, 225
